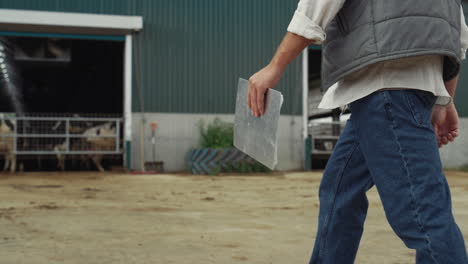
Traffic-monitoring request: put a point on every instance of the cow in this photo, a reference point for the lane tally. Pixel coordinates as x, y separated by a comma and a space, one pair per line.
97, 138
101, 138
7, 143
60, 157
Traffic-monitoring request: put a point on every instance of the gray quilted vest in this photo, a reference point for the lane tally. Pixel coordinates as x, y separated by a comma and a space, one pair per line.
368, 31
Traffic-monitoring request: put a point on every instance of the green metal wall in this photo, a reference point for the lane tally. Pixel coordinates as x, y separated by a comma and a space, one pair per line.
193, 51
462, 89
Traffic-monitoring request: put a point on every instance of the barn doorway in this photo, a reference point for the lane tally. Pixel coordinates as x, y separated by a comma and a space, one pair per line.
85, 26
64, 86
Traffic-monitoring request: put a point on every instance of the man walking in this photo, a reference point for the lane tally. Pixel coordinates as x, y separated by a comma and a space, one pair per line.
395, 64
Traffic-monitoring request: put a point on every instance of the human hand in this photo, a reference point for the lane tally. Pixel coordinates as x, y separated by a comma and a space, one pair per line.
259, 83
445, 123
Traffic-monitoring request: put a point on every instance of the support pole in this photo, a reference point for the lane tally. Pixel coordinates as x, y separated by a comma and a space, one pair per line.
128, 101
305, 110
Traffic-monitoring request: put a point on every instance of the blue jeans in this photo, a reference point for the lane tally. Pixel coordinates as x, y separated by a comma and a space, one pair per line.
388, 142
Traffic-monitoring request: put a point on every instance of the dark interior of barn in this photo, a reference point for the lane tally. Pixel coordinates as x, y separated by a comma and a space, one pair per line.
90, 81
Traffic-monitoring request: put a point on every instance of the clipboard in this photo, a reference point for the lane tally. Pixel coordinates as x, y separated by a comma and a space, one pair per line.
257, 136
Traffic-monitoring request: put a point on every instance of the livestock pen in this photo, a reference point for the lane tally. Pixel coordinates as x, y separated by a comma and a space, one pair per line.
48, 142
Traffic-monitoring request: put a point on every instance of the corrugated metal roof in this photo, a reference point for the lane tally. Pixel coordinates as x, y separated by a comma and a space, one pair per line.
194, 51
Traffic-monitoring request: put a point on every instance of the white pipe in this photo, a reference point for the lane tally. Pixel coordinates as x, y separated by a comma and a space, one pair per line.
128, 90
305, 92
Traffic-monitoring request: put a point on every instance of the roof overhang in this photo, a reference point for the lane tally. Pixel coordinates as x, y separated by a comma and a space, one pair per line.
71, 23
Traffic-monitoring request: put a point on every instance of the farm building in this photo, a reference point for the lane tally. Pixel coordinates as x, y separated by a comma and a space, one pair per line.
170, 62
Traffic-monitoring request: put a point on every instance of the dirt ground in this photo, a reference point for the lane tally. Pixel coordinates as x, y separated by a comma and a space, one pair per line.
89, 218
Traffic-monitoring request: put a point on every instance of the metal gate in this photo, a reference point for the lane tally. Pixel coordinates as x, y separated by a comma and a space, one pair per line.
54, 135
324, 136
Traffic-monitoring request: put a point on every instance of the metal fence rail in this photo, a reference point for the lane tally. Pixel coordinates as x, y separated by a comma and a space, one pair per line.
35, 135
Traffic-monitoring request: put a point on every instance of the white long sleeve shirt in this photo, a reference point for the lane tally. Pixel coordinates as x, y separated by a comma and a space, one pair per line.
417, 72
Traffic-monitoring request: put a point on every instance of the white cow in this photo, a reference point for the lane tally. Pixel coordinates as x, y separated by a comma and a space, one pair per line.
7, 143
93, 140
96, 141
60, 157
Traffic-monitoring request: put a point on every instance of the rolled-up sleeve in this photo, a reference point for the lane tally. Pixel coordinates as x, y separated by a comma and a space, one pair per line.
312, 17
463, 35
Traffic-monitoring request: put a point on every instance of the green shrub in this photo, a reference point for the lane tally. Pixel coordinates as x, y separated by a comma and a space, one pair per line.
219, 134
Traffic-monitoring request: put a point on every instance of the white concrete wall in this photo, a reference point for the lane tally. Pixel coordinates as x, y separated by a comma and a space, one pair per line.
455, 154
177, 133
